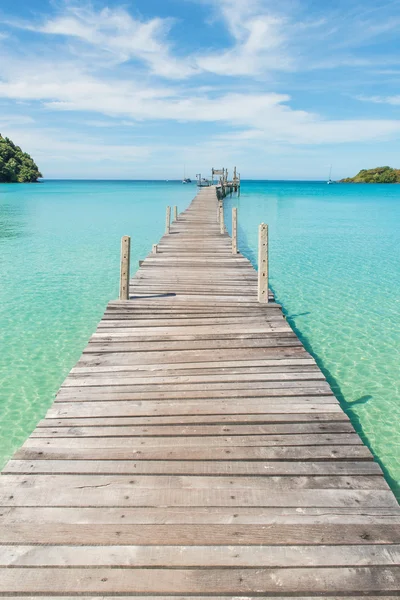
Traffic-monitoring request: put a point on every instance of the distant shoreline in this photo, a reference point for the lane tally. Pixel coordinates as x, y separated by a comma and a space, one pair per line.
178, 181
44, 180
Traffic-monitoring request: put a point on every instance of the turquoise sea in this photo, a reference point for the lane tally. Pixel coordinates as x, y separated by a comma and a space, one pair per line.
334, 264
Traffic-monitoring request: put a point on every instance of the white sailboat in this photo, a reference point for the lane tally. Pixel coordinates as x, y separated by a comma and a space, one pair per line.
330, 174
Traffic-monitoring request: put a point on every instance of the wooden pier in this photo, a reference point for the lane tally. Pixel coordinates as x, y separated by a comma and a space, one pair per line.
196, 450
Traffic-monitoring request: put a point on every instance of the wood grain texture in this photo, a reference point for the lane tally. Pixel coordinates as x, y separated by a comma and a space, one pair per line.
196, 450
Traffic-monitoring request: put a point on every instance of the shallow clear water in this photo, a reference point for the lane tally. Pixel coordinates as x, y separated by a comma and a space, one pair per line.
59, 266
334, 263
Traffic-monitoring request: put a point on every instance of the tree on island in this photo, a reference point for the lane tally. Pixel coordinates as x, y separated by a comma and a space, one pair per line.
16, 166
377, 175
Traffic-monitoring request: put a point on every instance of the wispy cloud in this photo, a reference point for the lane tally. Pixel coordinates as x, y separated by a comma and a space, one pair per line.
10, 120
282, 36
70, 147
258, 41
256, 116
393, 100
116, 33
266, 37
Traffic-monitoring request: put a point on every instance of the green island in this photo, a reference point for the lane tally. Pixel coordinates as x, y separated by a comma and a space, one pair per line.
377, 175
16, 166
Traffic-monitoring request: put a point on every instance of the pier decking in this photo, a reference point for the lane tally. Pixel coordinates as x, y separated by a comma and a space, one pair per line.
196, 450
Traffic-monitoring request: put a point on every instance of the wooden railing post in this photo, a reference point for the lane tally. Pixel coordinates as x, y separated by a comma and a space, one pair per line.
263, 263
125, 267
221, 218
234, 231
175, 213
154, 249
168, 219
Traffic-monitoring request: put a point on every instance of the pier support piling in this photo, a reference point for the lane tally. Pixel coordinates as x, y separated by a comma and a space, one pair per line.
221, 218
263, 263
175, 213
168, 219
125, 267
154, 249
234, 231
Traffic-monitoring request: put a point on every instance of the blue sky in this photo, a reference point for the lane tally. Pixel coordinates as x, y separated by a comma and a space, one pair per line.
137, 89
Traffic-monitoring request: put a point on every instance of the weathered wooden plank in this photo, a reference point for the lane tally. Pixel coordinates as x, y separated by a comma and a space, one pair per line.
203, 597
262, 344
302, 453
144, 497
293, 406
191, 430
189, 581
263, 389
60, 533
338, 516
215, 419
246, 380
322, 439
194, 482
102, 364
199, 556
198, 467
131, 320
199, 597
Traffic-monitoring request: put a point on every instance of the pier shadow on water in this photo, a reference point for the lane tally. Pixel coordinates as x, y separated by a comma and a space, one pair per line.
348, 407
290, 317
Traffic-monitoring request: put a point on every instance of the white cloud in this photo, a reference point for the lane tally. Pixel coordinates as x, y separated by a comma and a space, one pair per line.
270, 36
112, 123
115, 32
259, 40
262, 116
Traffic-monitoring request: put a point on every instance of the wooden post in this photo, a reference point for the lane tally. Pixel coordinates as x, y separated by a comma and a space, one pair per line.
175, 213
234, 231
154, 249
168, 219
263, 263
125, 266
221, 218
